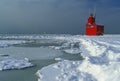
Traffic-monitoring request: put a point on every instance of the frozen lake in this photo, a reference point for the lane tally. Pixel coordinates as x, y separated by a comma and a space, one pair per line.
60, 57
40, 56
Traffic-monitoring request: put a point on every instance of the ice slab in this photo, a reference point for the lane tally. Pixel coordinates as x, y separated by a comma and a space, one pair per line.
72, 51
12, 63
5, 43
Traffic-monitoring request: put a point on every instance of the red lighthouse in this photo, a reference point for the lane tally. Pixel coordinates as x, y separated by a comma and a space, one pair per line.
92, 28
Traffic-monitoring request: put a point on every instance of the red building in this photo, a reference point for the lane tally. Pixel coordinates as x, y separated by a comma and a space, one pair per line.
92, 28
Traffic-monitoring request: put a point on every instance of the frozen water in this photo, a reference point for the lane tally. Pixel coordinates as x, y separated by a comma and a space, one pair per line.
72, 51
101, 61
11, 63
101, 56
5, 43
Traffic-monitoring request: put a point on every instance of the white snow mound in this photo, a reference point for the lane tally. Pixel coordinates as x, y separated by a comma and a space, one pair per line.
63, 71
101, 61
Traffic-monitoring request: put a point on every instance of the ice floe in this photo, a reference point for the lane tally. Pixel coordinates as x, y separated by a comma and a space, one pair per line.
5, 43
9, 63
72, 51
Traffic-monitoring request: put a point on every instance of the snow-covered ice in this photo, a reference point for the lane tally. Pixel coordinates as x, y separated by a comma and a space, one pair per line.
101, 57
64, 71
5, 43
10, 63
72, 51
58, 59
101, 61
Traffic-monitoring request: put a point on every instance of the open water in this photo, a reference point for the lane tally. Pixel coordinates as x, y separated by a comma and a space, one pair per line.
40, 56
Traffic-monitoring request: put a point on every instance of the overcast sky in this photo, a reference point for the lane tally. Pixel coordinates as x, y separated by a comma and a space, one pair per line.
56, 16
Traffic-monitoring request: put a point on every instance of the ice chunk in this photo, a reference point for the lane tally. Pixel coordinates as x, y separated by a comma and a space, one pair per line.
72, 51
58, 59
11, 63
5, 43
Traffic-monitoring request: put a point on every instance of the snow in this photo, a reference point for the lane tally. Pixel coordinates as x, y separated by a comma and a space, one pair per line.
101, 57
33, 36
5, 43
72, 51
101, 61
9, 63
63, 71
58, 59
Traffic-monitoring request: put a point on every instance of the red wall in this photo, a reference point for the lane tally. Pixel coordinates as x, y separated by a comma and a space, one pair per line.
91, 31
95, 30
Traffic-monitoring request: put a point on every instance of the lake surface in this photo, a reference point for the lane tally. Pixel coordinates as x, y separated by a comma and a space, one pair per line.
40, 56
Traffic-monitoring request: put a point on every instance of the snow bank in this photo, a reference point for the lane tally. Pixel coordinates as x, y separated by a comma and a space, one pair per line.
11, 63
63, 71
108, 72
101, 63
102, 58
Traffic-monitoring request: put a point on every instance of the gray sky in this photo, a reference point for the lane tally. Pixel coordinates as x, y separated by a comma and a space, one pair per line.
56, 16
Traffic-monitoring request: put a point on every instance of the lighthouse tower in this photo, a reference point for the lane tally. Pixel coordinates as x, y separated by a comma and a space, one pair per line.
92, 28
